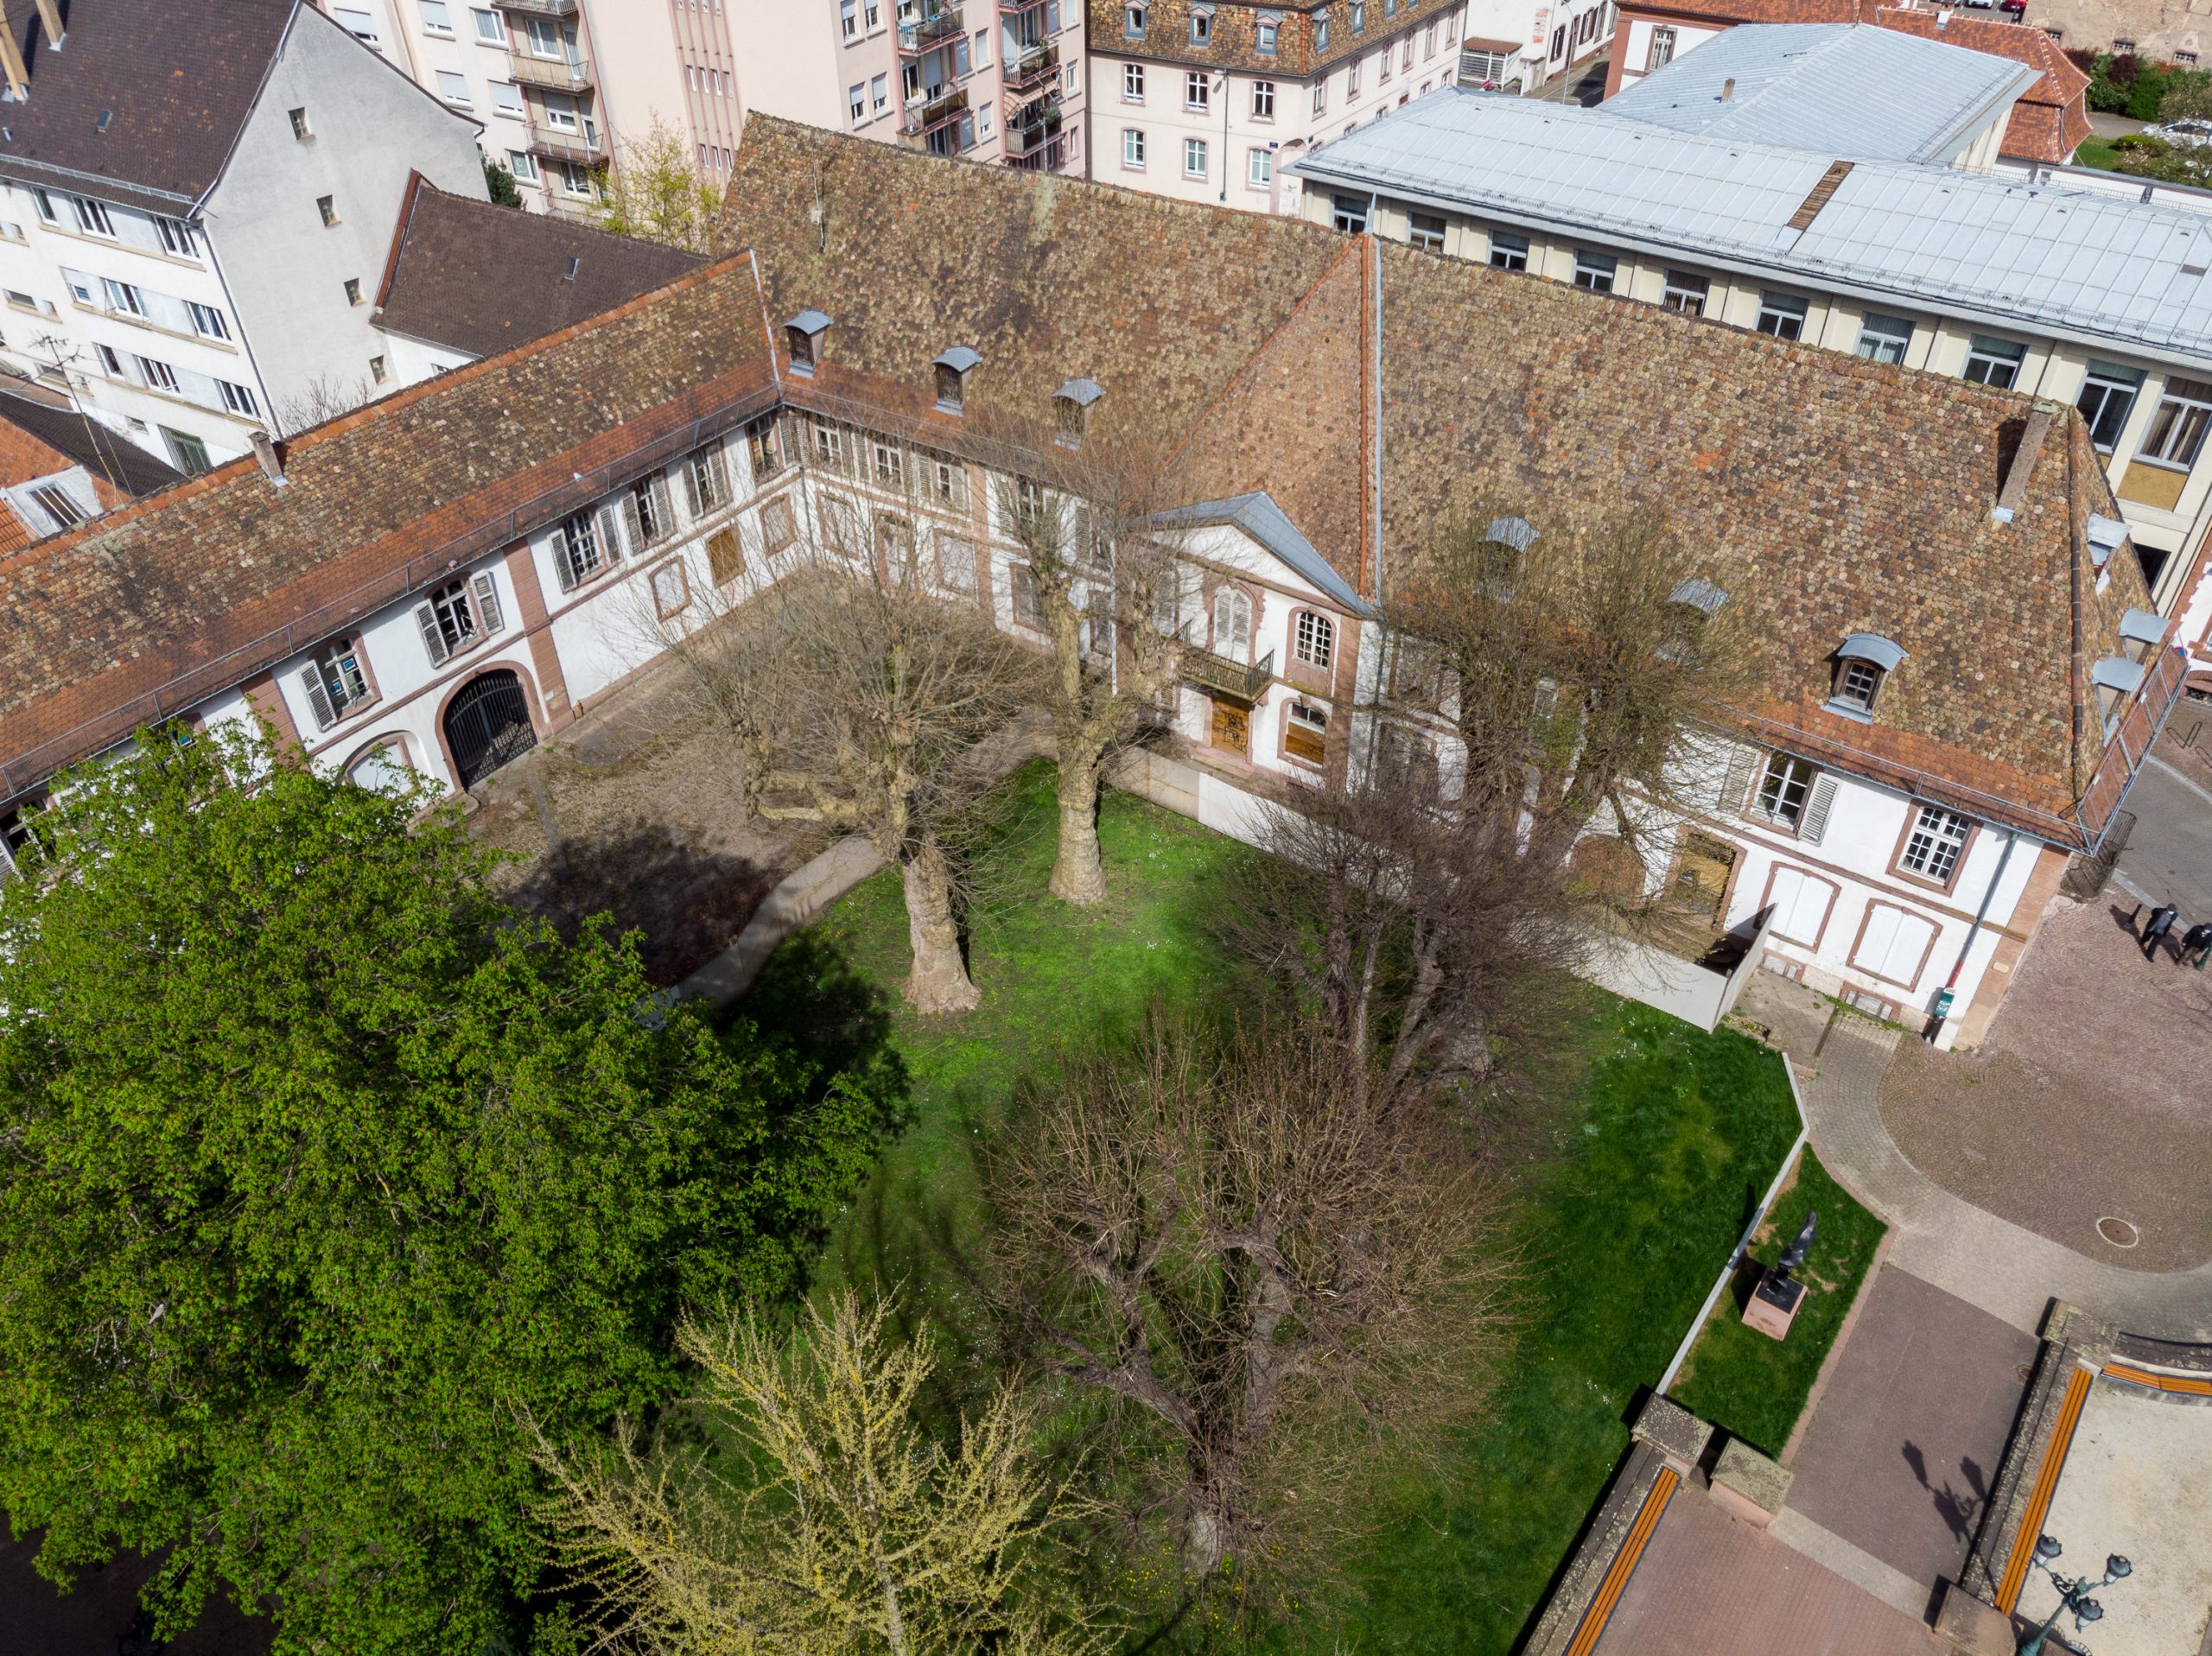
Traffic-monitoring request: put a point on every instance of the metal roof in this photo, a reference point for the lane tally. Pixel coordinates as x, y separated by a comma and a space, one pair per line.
1989, 247
1871, 646
1258, 516
1842, 89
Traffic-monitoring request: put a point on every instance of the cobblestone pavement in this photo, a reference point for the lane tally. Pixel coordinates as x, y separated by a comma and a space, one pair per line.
1984, 1260
2090, 1100
1713, 1585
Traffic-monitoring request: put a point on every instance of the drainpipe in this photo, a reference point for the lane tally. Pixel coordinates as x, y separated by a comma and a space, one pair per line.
1950, 984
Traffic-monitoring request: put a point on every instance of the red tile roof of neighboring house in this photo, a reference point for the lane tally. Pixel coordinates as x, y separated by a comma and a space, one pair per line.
2048, 124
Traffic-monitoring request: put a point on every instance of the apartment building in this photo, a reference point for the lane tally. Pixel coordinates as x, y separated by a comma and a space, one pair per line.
59, 467
2025, 283
1209, 102
192, 222
1525, 45
1950, 704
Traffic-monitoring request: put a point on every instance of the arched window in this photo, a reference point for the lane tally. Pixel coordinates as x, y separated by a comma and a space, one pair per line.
382, 767
1316, 642
1232, 625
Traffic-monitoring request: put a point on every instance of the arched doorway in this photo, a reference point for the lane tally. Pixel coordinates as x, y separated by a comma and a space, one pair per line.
487, 723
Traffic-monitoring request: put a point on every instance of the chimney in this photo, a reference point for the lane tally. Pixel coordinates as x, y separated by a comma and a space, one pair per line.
1727, 89
11, 59
49, 13
265, 452
2014, 488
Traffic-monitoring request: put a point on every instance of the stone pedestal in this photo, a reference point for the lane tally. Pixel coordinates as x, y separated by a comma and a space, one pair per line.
1972, 1627
1774, 1304
1748, 1485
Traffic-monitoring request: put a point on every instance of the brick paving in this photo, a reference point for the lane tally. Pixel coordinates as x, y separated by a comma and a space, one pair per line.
1712, 1585
1902, 1449
1986, 1261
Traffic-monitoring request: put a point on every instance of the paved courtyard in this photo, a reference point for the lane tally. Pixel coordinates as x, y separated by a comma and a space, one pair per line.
2091, 1100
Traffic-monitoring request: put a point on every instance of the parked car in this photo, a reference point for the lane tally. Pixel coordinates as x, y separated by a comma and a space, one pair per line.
2193, 129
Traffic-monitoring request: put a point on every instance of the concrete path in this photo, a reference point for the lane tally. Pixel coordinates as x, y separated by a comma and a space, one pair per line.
1943, 1239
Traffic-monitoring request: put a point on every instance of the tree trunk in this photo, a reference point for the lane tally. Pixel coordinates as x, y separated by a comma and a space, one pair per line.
938, 981
1205, 1532
1079, 876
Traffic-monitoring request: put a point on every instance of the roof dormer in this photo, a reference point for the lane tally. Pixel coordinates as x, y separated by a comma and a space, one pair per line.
952, 371
802, 339
1864, 662
1072, 411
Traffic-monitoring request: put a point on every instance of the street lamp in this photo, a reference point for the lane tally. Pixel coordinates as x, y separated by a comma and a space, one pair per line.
2073, 1592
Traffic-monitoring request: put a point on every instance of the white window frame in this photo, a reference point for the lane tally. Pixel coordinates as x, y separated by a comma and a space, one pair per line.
1132, 149
1198, 90
1195, 149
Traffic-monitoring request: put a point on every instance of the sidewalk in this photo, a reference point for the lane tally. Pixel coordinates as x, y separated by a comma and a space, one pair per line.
1943, 1239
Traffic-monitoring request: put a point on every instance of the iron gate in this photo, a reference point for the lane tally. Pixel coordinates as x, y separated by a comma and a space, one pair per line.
488, 724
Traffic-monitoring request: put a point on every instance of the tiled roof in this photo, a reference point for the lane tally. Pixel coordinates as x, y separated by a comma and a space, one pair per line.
1844, 89
483, 278
1255, 338
2052, 118
2040, 254
176, 89
205, 584
77, 440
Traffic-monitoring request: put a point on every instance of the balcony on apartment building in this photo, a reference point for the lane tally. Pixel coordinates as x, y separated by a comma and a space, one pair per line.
1038, 126
563, 74
579, 143
1033, 72
925, 33
539, 8
941, 110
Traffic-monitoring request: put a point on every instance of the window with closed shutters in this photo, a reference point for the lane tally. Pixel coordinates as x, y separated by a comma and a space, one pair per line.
1232, 625
779, 524
1306, 731
725, 557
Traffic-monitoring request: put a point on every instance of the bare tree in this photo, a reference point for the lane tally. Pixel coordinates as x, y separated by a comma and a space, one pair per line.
862, 694
845, 1526
326, 397
1100, 551
1546, 693
1282, 1283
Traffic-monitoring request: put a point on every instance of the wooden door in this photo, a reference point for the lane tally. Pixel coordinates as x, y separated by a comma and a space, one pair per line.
1232, 728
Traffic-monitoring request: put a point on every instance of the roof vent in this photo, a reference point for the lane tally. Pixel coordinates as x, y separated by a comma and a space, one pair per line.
570, 273
1072, 410
1727, 89
2142, 627
2014, 488
2106, 535
802, 338
106, 115
1699, 594
952, 371
272, 465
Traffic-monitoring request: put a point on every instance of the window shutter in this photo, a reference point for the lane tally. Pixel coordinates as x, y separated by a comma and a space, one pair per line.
318, 698
634, 520
1814, 823
663, 512
725, 559
561, 566
610, 534
712, 479
692, 486
1735, 780
485, 591
434, 638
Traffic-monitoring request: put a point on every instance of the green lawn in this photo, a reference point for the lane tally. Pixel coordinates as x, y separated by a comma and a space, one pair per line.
1756, 1386
2096, 152
1641, 1147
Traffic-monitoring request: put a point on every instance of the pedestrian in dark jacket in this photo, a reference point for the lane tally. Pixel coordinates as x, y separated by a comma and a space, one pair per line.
2156, 928
2197, 940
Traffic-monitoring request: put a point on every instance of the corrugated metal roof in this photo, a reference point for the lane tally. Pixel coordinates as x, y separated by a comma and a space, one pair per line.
2044, 256
1842, 89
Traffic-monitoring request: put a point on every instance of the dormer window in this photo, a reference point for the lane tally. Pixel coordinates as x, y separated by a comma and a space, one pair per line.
1072, 411
2116, 678
2144, 633
1201, 26
1690, 607
1864, 662
802, 339
1133, 21
952, 371
2106, 535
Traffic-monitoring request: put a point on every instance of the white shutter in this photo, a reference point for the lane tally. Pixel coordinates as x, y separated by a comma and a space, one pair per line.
713, 483
632, 520
434, 637
318, 698
1735, 780
610, 534
1801, 903
562, 567
663, 512
1814, 823
692, 486
485, 592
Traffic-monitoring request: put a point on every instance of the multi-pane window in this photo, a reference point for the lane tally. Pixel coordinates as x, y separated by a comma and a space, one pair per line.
849, 19
1994, 362
1321, 97
207, 321
1263, 100
123, 296
1194, 157
1427, 230
1932, 848
829, 445
1132, 83
1132, 147
158, 376
2107, 397
2177, 428
949, 482
1349, 213
647, 512
956, 561
1259, 169
187, 452
489, 29
779, 525
1321, 32
239, 399
1509, 252
890, 465
1783, 788
176, 238
93, 216
706, 481
1306, 730
1028, 611
336, 682
581, 548
1782, 314
1197, 90
59, 504
1663, 50
1884, 339
1595, 271
1856, 683
1232, 625
764, 443
458, 615
1314, 642
1685, 291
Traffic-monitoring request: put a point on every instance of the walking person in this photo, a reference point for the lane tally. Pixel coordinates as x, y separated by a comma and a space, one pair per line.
2197, 939
2155, 929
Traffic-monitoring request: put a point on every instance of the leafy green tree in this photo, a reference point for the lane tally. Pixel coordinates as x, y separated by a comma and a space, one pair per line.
657, 191
501, 184
320, 1170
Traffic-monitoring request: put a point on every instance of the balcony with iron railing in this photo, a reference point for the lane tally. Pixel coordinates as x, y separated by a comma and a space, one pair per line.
1032, 71
539, 8
946, 107
1214, 672
552, 75
581, 143
925, 34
